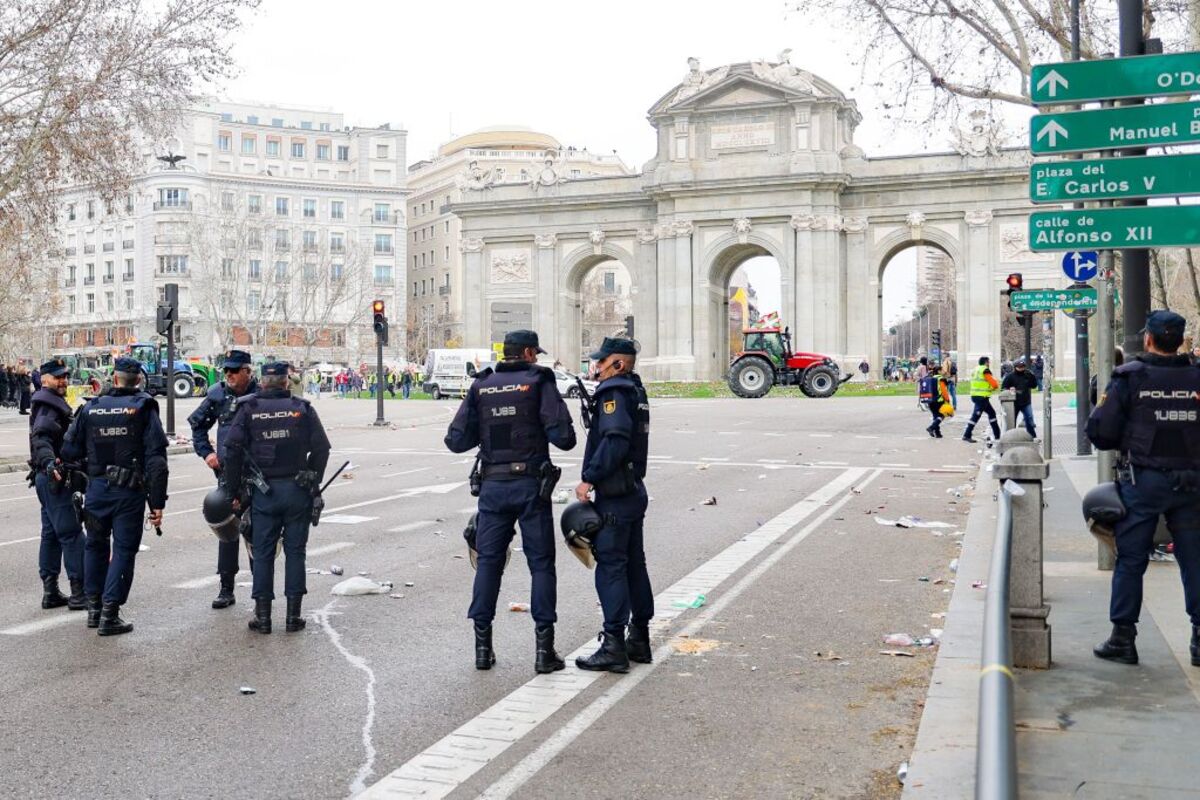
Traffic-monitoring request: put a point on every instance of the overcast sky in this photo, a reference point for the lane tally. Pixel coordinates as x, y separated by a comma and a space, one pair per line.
585, 73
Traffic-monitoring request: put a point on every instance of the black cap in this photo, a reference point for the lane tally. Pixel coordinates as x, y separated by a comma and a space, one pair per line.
523, 338
275, 368
55, 366
611, 346
1164, 323
128, 365
236, 359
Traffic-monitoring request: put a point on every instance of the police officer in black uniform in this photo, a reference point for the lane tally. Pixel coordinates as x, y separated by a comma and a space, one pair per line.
614, 465
512, 415
62, 535
1150, 413
120, 439
218, 408
284, 437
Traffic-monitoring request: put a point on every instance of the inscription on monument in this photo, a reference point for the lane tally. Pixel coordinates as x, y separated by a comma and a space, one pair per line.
746, 134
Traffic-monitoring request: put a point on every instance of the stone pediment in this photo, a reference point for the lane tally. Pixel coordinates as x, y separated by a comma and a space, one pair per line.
741, 95
745, 84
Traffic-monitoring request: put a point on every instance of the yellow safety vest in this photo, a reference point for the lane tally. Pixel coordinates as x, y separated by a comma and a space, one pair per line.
979, 383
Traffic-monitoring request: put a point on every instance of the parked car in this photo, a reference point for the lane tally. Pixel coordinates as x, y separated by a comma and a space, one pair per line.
568, 385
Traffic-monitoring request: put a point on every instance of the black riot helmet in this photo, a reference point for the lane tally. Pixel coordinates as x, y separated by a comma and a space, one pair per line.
1102, 510
469, 536
580, 524
218, 513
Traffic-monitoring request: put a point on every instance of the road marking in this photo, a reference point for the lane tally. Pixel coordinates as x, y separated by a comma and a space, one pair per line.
772, 461
529, 766
684, 431
892, 465
450, 762
729, 433
660, 458
213, 580
43, 624
821, 435
421, 523
832, 463
405, 472
19, 541
774, 434
332, 547
860, 436
704, 458
347, 519
358, 662
441, 488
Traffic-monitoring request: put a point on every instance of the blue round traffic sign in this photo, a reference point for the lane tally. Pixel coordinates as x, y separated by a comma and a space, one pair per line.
1081, 266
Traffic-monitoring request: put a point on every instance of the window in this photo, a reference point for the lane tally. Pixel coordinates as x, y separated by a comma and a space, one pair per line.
283, 239
337, 243
90, 277
91, 209
71, 304
309, 208
128, 273
281, 270
381, 151
249, 145
91, 303
281, 206
254, 238
447, 226
310, 240
276, 122
343, 152
128, 204
71, 211
168, 198
499, 173
610, 282
337, 209
310, 273
108, 301
129, 299
226, 117
227, 268
227, 201
382, 212
574, 173
255, 271
414, 290
252, 302
172, 265
383, 274
109, 272
447, 252
273, 147
70, 275
297, 149
251, 119
306, 125
383, 243
224, 142
414, 260
254, 203
336, 271
323, 152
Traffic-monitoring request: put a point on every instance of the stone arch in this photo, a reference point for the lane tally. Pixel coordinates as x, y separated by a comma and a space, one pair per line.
719, 261
884, 251
572, 270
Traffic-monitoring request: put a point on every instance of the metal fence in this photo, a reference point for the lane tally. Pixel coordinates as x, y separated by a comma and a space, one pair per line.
996, 753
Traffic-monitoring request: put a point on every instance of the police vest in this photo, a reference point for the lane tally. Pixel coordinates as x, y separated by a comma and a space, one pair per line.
1163, 429
510, 424
979, 382
635, 394
278, 428
115, 427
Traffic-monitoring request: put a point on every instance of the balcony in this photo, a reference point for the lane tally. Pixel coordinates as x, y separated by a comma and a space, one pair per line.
107, 279
68, 283
69, 251
390, 218
88, 249
383, 281
255, 245
127, 244
443, 291
169, 238
126, 276
89, 280
384, 251
183, 205
108, 247
282, 247
337, 249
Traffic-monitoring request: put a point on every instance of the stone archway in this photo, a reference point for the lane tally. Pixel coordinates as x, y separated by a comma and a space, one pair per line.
575, 267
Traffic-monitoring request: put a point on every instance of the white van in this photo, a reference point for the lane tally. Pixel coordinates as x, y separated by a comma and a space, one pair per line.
449, 373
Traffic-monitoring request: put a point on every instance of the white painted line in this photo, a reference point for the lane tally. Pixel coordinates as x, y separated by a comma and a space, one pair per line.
347, 519
703, 458
405, 472
821, 435
358, 662
660, 458
684, 432
19, 541
441, 488
832, 463
892, 465
446, 765
529, 766
207, 580
772, 461
729, 433
332, 547
860, 436
421, 523
44, 624
774, 434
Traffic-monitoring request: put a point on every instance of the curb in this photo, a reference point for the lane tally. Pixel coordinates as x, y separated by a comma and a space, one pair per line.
9, 466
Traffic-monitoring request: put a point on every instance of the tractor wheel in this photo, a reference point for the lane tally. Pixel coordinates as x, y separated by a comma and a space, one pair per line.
751, 377
804, 390
181, 385
820, 382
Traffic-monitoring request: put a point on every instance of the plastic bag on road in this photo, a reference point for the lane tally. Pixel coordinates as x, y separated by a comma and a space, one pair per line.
899, 640
359, 585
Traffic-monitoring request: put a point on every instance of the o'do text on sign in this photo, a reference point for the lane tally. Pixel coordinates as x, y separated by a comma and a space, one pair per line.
1116, 78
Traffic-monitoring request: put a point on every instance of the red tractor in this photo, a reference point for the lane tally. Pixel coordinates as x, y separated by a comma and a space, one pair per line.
767, 359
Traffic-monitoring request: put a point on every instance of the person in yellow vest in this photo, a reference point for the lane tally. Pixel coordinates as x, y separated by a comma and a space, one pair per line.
983, 386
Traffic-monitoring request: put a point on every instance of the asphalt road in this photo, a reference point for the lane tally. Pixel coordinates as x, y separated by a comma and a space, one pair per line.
791, 559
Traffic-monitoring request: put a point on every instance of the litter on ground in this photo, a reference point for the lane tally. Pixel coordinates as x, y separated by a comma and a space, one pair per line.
359, 585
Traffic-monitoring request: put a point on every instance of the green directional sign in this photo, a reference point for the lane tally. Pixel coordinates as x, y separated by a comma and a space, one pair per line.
1115, 178
1115, 128
1053, 299
1133, 228
1115, 78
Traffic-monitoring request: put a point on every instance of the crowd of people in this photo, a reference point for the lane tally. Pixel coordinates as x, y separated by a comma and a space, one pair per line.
347, 382
17, 385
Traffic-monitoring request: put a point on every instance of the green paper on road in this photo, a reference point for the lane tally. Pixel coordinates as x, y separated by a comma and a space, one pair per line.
1115, 228
1114, 178
1115, 78
1115, 128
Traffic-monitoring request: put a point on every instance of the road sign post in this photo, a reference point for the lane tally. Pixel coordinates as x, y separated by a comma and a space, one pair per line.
1135, 261
171, 295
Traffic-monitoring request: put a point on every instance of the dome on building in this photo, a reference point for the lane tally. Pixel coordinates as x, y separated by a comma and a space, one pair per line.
501, 137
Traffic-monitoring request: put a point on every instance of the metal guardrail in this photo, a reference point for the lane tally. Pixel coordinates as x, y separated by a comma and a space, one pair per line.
996, 746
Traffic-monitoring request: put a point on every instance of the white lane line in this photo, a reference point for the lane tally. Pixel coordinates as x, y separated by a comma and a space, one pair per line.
213, 580
450, 762
659, 458
772, 461
774, 434
347, 519
405, 472
860, 436
332, 547
821, 435
705, 458
729, 433
529, 766
832, 463
358, 662
412, 526
44, 624
441, 488
883, 464
19, 541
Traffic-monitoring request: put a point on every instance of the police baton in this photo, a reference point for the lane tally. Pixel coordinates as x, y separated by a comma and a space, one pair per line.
331, 477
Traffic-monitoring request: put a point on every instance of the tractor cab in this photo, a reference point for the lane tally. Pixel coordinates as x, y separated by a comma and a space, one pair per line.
773, 343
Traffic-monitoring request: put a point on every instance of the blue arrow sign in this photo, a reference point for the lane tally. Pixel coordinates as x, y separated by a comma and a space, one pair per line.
1081, 266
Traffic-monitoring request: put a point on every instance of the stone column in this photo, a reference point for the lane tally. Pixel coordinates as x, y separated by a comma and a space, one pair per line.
983, 314
803, 313
683, 303
645, 278
475, 327
860, 323
828, 286
546, 311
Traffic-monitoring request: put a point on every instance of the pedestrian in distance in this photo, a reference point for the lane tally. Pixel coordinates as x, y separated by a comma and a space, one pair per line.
938, 398
864, 368
983, 386
950, 374
23, 388
921, 373
1196, 356
613, 471
1039, 370
1022, 382
120, 440
513, 414
218, 408
406, 384
284, 437
62, 535
1148, 414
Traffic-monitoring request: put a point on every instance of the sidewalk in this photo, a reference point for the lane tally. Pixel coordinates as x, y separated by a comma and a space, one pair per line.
1085, 727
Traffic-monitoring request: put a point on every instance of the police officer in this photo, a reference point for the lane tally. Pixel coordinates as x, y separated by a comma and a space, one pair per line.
512, 415
983, 386
62, 535
614, 465
1151, 415
218, 408
120, 439
284, 437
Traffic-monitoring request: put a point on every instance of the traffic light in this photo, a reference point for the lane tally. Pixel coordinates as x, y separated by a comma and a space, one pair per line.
380, 322
1014, 282
165, 319
629, 327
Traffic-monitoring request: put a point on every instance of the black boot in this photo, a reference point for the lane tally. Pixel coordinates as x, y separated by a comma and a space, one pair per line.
93, 608
295, 620
637, 644
1120, 646
968, 434
1196, 645
262, 615
485, 657
611, 656
51, 596
225, 597
77, 601
930, 431
996, 431
111, 623
545, 659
